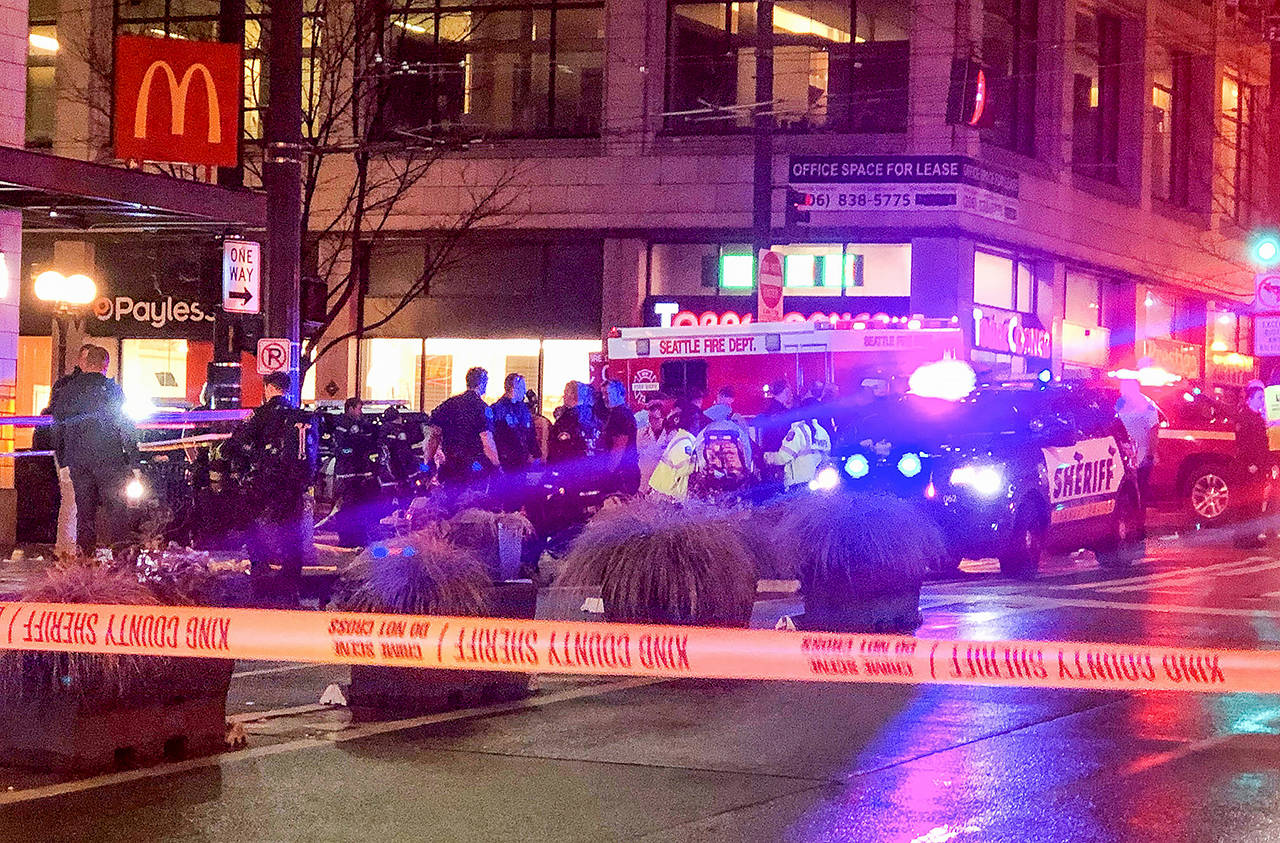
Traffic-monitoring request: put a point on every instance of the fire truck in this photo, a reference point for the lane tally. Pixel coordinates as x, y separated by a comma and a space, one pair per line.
680, 361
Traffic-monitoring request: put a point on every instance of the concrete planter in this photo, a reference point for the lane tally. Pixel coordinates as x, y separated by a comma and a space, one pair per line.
63, 733
379, 693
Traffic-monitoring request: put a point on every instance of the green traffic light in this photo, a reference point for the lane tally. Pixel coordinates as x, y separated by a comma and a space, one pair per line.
1266, 249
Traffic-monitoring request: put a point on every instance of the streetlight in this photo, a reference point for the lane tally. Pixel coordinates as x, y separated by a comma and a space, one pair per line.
66, 293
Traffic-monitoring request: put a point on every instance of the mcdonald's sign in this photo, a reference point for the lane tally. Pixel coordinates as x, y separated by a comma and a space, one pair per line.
177, 101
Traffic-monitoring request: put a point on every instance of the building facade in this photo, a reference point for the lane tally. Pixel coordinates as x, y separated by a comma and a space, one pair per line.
1095, 214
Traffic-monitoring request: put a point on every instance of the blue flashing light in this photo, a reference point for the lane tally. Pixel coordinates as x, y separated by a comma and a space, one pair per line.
409, 551
909, 465
857, 466
380, 551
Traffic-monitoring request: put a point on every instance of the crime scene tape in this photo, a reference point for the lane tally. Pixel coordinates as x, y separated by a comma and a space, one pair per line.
612, 649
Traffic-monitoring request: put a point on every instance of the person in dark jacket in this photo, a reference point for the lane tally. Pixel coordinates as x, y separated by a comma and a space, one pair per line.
66, 536
398, 439
462, 428
1255, 462
355, 442
772, 425
97, 444
618, 442
516, 440
276, 451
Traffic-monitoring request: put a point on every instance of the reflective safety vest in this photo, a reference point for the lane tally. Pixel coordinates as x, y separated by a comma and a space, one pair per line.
671, 477
806, 447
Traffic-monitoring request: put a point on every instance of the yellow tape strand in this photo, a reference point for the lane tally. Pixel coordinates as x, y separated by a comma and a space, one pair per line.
625, 649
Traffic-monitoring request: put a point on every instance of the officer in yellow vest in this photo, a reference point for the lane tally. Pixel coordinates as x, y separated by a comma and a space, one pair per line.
671, 477
806, 446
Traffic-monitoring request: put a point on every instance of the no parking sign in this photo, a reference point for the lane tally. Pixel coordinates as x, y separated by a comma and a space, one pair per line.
273, 355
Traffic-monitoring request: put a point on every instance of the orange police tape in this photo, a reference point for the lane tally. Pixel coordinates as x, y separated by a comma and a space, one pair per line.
624, 649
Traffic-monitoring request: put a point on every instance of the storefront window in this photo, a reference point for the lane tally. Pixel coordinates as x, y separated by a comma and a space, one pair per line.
521, 69
1083, 301
1086, 340
424, 373
154, 370
1004, 281
836, 64
1156, 314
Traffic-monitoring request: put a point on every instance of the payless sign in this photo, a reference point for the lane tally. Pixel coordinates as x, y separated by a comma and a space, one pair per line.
177, 101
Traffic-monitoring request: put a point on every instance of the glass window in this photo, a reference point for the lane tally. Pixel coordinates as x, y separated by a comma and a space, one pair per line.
518, 70
1005, 281
390, 370
825, 269
831, 67
1009, 53
1156, 313
154, 370
42, 59
1096, 96
993, 280
683, 268
1083, 300
1171, 126
1236, 156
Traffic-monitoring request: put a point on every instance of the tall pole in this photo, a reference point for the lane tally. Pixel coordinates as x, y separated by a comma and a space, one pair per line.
762, 135
282, 177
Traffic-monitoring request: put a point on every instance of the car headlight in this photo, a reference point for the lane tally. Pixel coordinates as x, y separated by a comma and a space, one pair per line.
909, 465
857, 466
826, 480
986, 480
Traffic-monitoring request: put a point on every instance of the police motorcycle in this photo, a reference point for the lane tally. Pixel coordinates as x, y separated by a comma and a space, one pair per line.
1012, 471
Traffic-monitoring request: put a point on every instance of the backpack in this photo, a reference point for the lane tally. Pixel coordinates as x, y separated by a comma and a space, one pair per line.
722, 463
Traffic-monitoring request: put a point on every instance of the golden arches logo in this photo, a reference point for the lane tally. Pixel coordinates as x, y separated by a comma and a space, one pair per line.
178, 91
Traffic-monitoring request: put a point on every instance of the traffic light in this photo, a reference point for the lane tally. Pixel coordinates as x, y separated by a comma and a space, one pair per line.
967, 99
1264, 249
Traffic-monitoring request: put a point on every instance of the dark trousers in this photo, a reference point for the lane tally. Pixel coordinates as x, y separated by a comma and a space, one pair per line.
99, 493
277, 538
358, 497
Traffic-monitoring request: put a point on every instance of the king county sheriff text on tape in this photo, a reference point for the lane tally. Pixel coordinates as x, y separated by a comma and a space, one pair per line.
624, 649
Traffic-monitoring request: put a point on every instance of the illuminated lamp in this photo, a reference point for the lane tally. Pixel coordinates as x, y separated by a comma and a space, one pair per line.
914, 325
949, 380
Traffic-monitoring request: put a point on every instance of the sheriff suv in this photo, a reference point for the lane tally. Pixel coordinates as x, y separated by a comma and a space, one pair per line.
1013, 471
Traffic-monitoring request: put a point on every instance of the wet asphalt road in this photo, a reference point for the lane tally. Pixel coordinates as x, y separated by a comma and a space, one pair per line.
696, 761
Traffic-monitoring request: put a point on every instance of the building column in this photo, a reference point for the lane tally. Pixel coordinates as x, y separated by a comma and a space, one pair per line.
340, 366
624, 283
942, 280
633, 75
13, 108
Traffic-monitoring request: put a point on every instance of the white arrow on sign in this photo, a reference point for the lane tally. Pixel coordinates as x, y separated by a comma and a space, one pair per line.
241, 283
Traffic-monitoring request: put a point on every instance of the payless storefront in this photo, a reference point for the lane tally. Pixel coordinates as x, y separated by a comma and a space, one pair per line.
530, 306
160, 342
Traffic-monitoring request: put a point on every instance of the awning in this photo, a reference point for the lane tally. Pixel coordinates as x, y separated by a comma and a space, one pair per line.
57, 194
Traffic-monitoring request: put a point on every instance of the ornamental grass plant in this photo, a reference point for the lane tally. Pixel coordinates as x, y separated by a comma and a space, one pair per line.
95, 680
663, 562
861, 559
418, 574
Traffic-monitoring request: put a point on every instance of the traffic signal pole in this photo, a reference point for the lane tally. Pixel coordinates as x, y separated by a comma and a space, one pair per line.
282, 178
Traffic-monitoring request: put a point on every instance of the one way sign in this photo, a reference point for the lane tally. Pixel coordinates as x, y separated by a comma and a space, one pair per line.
241, 283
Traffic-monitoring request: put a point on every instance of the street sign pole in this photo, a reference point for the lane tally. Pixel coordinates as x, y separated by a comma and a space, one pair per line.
282, 177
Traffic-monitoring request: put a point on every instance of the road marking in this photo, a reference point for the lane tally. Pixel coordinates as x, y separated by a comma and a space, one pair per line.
254, 716
359, 732
1039, 603
267, 670
1193, 575
1158, 575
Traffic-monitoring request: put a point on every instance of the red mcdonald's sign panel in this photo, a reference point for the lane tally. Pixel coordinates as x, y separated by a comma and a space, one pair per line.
177, 101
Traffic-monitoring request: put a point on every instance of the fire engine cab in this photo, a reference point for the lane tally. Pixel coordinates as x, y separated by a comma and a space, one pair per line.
678, 361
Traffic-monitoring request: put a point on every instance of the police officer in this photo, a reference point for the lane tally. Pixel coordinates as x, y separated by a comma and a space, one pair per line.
98, 447
398, 441
515, 438
355, 445
462, 428
671, 477
276, 448
806, 446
